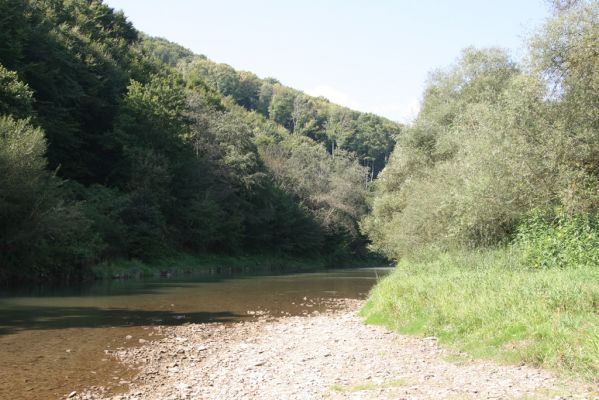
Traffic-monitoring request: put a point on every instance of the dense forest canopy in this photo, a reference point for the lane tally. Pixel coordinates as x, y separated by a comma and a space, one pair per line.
114, 144
499, 143
368, 136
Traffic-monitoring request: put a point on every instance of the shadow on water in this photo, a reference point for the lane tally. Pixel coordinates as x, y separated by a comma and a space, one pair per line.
45, 318
151, 285
113, 287
199, 298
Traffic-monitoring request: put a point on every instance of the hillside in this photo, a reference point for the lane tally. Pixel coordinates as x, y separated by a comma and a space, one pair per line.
121, 146
369, 136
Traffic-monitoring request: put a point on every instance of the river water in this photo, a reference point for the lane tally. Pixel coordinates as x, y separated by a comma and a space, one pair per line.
53, 341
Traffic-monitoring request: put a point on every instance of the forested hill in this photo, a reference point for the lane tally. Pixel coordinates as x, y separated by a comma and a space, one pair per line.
116, 145
369, 136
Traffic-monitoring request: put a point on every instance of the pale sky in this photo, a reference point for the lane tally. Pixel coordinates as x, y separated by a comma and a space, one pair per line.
368, 55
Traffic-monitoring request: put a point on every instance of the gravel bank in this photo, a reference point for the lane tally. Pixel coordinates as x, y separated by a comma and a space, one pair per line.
322, 356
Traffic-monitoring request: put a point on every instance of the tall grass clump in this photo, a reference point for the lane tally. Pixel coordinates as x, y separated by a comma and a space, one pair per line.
490, 305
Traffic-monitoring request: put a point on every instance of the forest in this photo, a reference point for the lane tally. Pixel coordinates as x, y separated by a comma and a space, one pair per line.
116, 145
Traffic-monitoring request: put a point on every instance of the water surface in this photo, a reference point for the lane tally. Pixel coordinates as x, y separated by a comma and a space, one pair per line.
53, 341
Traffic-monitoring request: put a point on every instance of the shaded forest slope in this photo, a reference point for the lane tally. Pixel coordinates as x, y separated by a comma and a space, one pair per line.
116, 145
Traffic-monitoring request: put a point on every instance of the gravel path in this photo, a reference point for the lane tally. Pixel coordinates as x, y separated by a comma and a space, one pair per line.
323, 356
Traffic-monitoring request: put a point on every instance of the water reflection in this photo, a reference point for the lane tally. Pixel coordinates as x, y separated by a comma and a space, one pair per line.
41, 318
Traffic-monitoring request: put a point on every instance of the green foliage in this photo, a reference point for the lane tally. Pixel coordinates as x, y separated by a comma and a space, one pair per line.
151, 115
281, 105
452, 174
74, 55
368, 136
167, 52
22, 151
332, 187
41, 233
561, 241
106, 209
565, 51
565, 54
489, 305
493, 143
15, 96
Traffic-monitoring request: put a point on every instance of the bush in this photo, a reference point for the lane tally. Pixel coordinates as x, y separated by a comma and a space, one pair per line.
559, 241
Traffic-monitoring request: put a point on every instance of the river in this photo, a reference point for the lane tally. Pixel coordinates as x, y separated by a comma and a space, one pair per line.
53, 341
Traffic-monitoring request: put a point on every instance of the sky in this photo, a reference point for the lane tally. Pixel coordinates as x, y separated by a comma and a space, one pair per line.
369, 55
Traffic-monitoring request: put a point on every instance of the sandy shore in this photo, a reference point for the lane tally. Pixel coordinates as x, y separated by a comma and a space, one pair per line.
329, 355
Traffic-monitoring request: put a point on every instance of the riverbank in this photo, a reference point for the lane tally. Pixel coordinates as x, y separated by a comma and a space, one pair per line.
181, 264
328, 355
489, 305
215, 264
53, 340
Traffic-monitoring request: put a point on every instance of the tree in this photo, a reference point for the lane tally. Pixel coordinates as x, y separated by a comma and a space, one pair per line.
304, 116
265, 98
248, 91
40, 233
281, 106
493, 143
423, 195
332, 188
16, 97
153, 150
74, 55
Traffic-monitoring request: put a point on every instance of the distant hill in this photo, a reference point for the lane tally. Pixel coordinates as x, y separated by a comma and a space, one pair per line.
369, 136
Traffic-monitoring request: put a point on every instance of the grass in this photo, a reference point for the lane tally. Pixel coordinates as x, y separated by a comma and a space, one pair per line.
490, 306
185, 264
396, 383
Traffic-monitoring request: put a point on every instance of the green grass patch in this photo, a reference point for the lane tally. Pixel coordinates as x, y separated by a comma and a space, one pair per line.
397, 383
394, 383
490, 306
362, 386
338, 388
353, 388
